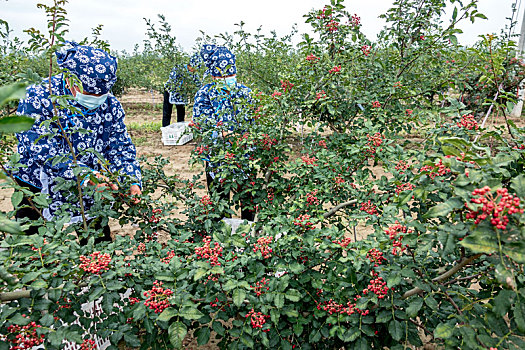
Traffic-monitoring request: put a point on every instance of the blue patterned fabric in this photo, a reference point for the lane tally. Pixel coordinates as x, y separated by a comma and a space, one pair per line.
196, 60
179, 74
96, 69
206, 51
215, 104
221, 62
38, 146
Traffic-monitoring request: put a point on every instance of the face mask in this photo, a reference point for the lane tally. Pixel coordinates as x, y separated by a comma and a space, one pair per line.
228, 82
90, 101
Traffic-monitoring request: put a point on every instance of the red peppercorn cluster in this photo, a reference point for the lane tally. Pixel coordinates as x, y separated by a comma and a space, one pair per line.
257, 319
268, 142
349, 308
205, 200
276, 94
194, 125
376, 104
468, 122
229, 155
438, 169
88, 344
312, 58
141, 248
377, 286
95, 263
496, 206
208, 253
366, 49
393, 233
26, 337
304, 222
132, 301
309, 160
402, 166
375, 256
201, 149
154, 218
397, 84
157, 297
311, 198
343, 242
332, 26
408, 111
66, 305
356, 20
322, 143
263, 245
368, 207
335, 70
320, 95
260, 287
286, 85
404, 187
374, 141
168, 258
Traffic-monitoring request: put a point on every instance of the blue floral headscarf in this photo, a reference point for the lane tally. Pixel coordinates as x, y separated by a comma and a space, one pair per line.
220, 62
96, 69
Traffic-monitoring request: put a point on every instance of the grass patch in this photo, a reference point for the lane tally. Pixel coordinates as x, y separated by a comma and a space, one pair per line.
145, 127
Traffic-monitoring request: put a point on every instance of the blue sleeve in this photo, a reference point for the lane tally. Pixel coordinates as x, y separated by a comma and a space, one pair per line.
40, 144
120, 151
202, 107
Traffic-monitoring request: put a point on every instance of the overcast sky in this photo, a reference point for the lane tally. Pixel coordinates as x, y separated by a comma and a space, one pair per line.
124, 25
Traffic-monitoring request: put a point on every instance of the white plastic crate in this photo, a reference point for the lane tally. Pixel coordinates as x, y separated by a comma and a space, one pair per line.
174, 134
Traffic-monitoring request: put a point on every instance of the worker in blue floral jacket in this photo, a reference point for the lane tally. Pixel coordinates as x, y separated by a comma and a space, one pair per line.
221, 109
175, 92
99, 117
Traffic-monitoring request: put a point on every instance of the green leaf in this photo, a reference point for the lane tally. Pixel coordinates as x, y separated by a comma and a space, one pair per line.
199, 274
393, 280
218, 328
12, 92
247, 340
9, 226
238, 296
20, 320
14, 124
47, 320
190, 313
414, 307
515, 251
395, 329
203, 335
29, 277
443, 331
293, 295
518, 185
167, 314
503, 301
352, 334
480, 242
16, 198
443, 209
279, 300
519, 316
177, 332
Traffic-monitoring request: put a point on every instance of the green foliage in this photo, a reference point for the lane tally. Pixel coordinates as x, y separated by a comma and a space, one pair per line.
437, 260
